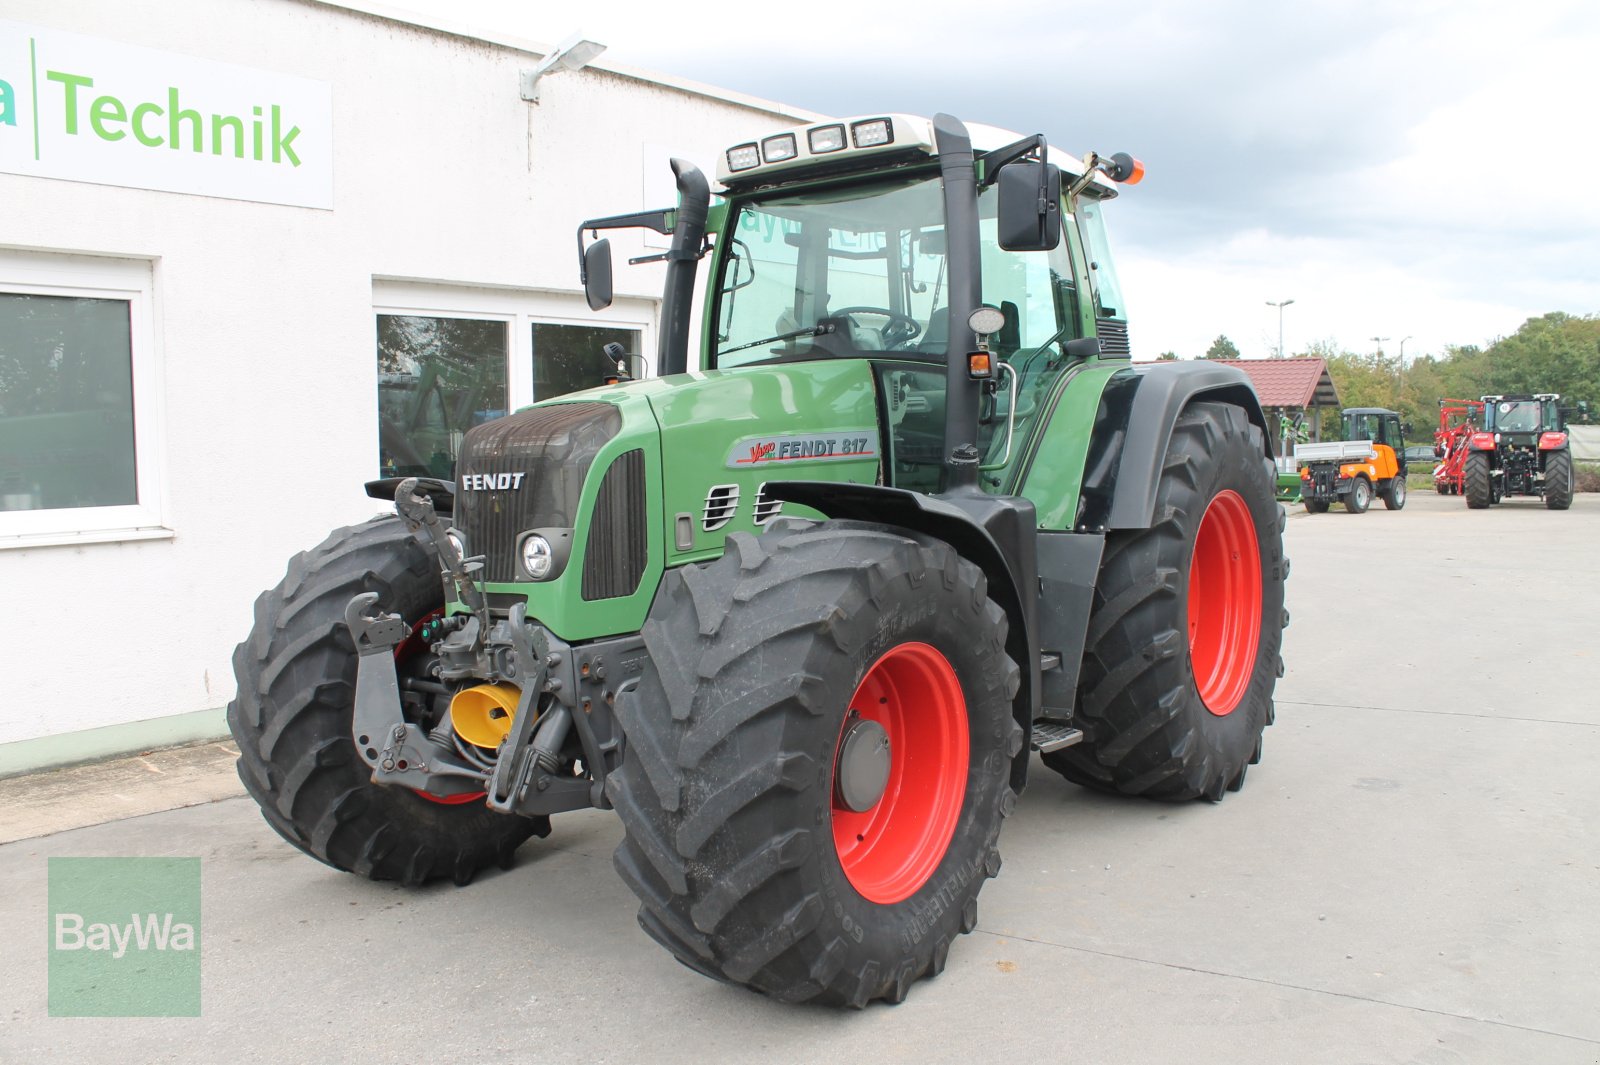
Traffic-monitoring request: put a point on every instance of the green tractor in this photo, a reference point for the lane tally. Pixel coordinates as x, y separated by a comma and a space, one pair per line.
800, 608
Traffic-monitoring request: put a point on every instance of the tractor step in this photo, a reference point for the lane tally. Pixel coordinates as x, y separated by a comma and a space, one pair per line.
1053, 735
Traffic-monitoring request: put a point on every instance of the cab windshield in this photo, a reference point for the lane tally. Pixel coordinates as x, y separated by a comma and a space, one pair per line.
862, 273
1517, 417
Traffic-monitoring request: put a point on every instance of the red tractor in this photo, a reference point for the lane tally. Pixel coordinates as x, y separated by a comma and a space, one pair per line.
1457, 420
1521, 450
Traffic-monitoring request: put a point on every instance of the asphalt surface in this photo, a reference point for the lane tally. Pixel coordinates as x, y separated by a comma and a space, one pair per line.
1412, 874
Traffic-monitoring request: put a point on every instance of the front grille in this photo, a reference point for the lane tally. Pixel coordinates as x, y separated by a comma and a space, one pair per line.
1113, 337
619, 546
553, 448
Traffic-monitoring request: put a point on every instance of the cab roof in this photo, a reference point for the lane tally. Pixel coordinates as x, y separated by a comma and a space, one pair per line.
908, 135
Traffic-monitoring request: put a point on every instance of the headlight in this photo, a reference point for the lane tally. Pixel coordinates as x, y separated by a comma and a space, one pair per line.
537, 556
777, 149
825, 139
872, 132
457, 541
744, 157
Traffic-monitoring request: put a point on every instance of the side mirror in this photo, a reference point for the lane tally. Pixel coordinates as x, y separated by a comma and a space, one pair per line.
597, 282
1025, 223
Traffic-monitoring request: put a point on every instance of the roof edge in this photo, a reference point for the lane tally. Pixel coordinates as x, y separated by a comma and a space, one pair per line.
454, 27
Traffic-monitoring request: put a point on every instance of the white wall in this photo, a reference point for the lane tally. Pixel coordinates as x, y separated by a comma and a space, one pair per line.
265, 325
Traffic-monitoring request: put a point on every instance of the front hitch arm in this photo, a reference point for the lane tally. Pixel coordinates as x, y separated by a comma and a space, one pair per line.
417, 512
398, 752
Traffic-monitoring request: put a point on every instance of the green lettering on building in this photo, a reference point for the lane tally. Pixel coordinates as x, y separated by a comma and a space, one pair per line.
71, 83
105, 110
185, 127
8, 104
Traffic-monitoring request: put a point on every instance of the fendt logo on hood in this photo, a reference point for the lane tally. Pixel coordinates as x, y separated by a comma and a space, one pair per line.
491, 482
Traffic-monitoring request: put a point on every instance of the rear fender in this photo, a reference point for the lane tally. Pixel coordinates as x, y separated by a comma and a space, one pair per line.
998, 534
1134, 427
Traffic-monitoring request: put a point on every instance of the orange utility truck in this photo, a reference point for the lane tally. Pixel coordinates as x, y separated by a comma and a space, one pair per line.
1369, 461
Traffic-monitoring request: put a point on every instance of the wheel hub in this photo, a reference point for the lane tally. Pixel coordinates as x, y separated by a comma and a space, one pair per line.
864, 762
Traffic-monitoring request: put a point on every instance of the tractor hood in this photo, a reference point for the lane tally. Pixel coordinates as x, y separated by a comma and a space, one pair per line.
628, 480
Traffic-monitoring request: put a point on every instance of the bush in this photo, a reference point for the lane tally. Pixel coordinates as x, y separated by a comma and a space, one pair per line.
1586, 477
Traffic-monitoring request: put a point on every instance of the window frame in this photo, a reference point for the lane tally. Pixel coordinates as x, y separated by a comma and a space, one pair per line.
131, 281
520, 309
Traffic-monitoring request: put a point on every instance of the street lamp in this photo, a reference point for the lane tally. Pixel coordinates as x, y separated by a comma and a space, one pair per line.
1403, 349
574, 53
1280, 305
1379, 341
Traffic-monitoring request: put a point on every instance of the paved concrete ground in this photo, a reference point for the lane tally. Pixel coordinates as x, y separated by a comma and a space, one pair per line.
1411, 875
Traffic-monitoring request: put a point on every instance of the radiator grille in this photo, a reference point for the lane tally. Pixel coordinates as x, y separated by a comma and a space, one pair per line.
1113, 337
619, 546
553, 448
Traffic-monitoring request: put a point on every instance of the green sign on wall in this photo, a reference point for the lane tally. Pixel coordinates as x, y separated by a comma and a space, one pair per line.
86, 109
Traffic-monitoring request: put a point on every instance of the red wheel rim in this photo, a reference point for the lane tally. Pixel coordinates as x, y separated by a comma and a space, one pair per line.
1224, 603
890, 850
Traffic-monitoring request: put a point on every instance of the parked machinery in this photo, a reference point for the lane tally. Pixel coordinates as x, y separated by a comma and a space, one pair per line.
1522, 450
898, 511
1369, 461
1458, 419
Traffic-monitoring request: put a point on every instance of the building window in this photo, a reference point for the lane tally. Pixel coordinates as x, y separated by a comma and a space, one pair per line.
437, 378
78, 440
567, 358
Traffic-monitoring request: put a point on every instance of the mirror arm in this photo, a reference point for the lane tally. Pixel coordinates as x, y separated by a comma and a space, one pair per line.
999, 157
661, 221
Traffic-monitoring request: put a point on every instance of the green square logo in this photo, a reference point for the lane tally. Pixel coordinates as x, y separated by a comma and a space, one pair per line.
124, 937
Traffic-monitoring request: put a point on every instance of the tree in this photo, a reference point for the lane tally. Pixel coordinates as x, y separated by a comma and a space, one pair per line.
1222, 348
1167, 356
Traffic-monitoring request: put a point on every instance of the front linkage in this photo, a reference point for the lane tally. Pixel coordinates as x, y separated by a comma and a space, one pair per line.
561, 688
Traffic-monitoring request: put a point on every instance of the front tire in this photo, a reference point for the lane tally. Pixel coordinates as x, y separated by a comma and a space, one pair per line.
1478, 486
292, 721
1316, 506
741, 836
1558, 480
1394, 494
1182, 656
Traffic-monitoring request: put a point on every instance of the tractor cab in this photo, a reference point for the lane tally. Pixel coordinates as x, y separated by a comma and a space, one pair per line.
1523, 415
1378, 425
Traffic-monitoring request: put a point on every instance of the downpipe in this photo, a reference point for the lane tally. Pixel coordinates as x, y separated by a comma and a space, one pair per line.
962, 393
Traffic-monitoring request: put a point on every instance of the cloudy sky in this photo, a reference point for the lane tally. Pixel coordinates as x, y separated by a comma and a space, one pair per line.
1422, 169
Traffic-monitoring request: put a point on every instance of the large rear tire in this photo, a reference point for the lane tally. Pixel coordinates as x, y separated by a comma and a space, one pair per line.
1558, 480
1182, 652
292, 721
739, 803
1477, 484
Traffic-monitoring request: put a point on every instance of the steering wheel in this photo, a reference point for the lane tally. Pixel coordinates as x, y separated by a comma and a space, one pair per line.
897, 330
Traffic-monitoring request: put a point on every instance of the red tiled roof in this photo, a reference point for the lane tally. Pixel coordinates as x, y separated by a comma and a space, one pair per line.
1289, 382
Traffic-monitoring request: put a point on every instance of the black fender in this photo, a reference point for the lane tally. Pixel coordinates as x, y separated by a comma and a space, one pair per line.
998, 534
443, 493
1123, 466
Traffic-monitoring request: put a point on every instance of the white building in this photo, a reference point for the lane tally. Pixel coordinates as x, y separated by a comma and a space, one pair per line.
256, 252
